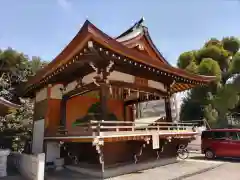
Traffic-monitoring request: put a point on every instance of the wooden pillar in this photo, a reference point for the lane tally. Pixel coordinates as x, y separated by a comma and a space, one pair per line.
137, 110
63, 111
168, 107
62, 122
104, 92
103, 70
124, 112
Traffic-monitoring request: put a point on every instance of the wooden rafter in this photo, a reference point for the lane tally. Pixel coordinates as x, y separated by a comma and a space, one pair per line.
138, 87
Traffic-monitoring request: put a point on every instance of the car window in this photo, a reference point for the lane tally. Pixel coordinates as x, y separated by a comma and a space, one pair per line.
234, 135
220, 135
206, 135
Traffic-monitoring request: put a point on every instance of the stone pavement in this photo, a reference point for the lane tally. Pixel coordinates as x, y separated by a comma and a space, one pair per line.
12, 175
16, 177
195, 168
168, 172
229, 170
67, 175
175, 171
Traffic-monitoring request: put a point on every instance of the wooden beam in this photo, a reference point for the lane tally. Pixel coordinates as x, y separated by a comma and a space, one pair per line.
76, 91
100, 61
141, 72
126, 103
137, 87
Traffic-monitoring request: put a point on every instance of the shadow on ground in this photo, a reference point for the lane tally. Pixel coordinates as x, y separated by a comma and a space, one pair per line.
201, 157
66, 175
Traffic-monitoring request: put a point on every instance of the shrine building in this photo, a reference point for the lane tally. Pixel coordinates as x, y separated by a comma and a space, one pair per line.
86, 113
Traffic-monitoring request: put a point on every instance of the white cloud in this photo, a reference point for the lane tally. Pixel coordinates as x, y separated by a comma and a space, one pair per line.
65, 4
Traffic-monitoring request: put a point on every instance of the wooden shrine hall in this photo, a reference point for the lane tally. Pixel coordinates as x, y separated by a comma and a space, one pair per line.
86, 103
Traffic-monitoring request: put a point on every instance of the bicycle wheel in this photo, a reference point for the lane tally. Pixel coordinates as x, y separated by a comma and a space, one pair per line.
183, 153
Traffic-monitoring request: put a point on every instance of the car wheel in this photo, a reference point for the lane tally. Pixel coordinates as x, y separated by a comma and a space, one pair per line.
209, 154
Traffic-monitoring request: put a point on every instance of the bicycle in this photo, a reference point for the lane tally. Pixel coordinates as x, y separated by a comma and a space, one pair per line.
182, 152
73, 158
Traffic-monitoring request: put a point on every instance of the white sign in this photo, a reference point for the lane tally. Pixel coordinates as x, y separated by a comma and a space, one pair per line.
155, 141
38, 136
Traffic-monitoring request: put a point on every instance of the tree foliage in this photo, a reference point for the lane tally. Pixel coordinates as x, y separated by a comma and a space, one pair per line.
15, 68
209, 67
234, 67
186, 59
213, 42
192, 67
231, 44
218, 58
210, 114
190, 110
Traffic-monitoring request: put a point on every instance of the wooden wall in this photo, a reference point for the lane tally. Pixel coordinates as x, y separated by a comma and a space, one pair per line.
53, 116
78, 108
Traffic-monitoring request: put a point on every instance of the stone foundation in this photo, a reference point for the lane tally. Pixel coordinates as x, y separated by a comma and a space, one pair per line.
120, 157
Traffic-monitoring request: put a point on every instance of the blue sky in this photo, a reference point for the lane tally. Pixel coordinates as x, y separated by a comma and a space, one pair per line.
44, 27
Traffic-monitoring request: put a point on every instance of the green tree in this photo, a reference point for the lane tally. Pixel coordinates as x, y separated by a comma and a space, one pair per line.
231, 44
190, 109
218, 58
15, 68
186, 59
234, 67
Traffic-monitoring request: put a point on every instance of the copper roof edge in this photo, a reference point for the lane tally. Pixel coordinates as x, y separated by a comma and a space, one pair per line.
8, 103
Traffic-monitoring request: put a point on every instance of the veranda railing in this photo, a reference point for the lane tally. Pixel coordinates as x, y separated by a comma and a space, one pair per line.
117, 126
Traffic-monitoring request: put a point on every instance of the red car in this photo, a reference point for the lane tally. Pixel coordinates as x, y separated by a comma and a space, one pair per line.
221, 143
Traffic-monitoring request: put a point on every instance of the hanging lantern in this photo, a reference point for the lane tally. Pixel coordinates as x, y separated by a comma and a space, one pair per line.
60, 143
169, 139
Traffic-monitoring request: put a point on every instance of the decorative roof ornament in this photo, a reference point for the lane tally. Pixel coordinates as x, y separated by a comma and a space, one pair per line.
140, 47
133, 31
138, 24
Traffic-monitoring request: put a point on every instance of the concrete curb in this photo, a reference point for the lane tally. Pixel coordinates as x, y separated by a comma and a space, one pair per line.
196, 172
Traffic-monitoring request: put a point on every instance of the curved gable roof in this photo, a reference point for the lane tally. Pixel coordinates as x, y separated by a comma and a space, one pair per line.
139, 33
91, 33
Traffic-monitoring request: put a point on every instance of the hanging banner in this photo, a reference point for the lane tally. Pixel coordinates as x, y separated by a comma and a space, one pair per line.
155, 141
